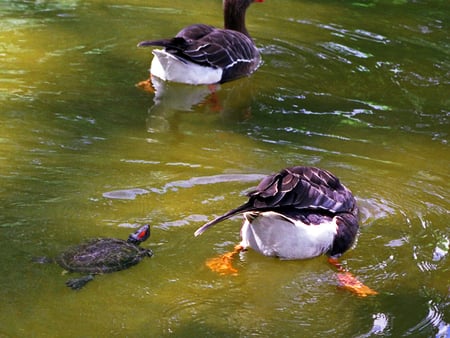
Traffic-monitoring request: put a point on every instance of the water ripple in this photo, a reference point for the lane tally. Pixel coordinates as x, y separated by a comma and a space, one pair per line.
434, 318
125, 194
357, 34
132, 193
345, 51
189, 183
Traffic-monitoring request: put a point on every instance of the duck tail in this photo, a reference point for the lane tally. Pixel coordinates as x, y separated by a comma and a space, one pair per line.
243, 208
177, 43
160, 43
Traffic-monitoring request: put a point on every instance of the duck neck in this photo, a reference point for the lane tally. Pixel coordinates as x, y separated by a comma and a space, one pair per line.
234, 15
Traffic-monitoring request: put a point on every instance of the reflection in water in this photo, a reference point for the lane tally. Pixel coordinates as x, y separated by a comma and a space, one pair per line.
174, 96
231, 102
380, 326
171, 98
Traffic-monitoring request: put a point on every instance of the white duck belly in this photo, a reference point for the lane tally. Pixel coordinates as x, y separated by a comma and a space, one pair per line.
170, 68
272, 234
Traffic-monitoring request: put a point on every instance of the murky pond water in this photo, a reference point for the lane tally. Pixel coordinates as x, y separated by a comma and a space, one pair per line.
359, 88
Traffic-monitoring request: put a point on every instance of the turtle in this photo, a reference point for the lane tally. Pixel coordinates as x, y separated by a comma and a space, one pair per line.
102, 255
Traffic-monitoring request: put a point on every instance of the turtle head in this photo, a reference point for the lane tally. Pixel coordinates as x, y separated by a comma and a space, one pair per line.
139, 235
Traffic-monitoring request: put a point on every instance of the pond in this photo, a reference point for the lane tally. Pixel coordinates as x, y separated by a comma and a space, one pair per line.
360, 88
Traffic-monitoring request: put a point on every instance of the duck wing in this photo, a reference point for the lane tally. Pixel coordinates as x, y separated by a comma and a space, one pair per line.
182, 39
303, 188
209, 46
296, 188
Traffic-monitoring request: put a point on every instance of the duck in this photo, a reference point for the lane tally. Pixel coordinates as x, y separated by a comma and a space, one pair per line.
204, 55
301, 212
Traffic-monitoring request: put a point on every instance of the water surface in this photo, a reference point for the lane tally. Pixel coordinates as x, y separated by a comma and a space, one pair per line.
358, 88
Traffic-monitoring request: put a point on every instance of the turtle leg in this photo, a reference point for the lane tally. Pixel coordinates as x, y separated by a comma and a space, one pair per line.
349, 281
222, 264
78, 283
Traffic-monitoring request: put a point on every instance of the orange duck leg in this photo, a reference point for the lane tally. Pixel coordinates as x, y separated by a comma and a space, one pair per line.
350, 282
213, 100
223, 264
146, 85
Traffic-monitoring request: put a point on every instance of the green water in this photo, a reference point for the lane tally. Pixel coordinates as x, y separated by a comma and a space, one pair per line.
358, 88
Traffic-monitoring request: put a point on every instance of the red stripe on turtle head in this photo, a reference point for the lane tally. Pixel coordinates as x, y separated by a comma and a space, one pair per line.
140, 235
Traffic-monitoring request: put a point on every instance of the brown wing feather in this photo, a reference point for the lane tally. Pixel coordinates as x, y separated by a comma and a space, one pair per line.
303, 187
212, 47
300, 188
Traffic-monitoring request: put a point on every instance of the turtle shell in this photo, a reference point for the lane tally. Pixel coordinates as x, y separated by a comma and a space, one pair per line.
102, 255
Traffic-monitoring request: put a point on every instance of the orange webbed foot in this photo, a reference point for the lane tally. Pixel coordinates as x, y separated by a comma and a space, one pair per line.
350, 282
146, 85
223, 264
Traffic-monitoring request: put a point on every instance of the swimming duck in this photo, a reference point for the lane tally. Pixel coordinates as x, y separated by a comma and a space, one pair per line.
298, 213
202, 54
